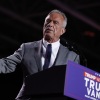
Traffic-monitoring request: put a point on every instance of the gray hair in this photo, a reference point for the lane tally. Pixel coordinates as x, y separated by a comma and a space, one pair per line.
64, 16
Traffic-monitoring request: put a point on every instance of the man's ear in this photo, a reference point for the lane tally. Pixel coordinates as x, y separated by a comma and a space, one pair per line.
63, 31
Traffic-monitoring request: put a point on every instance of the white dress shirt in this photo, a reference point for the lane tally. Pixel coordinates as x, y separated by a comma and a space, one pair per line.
55, 48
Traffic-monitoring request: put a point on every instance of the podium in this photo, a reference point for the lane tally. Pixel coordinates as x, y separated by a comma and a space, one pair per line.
46, 85
62, 83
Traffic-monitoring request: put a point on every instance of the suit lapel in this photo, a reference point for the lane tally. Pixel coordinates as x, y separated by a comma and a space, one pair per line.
61, 55
37, 54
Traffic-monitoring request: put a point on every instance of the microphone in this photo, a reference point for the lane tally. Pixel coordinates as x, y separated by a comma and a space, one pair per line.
73, 47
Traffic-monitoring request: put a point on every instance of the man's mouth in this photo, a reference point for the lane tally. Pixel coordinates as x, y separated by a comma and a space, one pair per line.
48, 30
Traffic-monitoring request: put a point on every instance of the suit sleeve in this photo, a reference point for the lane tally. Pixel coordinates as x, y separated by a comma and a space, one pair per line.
8, 64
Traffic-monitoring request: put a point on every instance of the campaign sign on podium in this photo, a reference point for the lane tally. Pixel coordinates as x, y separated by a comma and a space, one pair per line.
81, 83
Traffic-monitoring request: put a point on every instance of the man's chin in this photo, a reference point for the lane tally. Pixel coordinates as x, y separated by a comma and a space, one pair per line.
48, 36
48, 33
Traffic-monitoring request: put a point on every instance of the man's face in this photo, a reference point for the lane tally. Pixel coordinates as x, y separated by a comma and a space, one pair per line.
53, 27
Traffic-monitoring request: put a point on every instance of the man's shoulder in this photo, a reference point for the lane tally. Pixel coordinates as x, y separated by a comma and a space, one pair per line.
70, 50
32, 43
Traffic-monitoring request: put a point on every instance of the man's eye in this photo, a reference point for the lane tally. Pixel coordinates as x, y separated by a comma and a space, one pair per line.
56, 22
48, 21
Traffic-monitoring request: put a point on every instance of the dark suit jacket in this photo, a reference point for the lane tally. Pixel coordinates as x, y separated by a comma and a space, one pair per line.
29, 54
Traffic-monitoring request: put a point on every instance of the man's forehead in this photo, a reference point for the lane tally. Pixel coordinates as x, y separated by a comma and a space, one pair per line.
54, 15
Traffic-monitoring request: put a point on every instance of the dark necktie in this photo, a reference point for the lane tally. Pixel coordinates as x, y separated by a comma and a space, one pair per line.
47, 56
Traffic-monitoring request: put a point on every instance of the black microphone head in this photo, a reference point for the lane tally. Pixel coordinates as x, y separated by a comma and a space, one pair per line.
63, 41
68, 44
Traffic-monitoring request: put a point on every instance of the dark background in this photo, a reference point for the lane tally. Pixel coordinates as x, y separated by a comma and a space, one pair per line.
22, 21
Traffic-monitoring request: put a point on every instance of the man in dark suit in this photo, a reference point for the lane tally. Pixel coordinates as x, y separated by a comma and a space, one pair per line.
32, 55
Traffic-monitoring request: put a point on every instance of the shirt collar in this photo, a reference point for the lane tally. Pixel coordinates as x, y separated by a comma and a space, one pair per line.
54, 45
